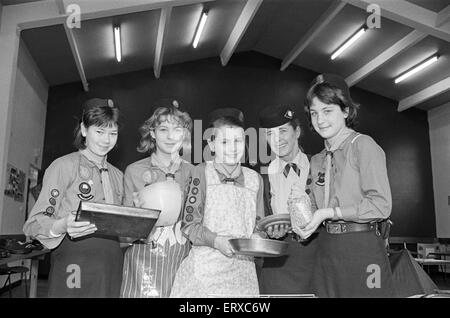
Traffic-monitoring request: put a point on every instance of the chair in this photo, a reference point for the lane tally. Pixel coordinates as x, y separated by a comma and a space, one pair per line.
6, 270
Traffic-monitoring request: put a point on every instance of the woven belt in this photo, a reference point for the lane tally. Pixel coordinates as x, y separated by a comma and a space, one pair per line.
340, 227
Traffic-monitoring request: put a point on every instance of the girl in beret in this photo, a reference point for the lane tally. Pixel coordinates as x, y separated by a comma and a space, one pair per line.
223, 203
351, 190
81, 265
150, 266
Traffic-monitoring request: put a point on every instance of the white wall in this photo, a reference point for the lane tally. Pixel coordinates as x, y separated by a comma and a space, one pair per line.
27, 132
439, 122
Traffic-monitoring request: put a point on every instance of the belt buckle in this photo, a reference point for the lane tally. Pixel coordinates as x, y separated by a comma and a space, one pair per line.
336, 228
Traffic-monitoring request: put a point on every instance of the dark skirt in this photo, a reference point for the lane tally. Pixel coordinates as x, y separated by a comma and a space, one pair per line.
88, 267
292, 273
352, 265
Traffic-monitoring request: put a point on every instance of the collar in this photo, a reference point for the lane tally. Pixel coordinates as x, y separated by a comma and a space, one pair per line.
237, 176
340, 141
91, 160
278, 164
171, 169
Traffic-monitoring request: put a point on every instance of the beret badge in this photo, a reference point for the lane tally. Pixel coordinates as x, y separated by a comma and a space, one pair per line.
289, 114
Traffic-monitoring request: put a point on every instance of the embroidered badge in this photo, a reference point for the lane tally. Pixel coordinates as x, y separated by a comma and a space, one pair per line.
52, 201
189, 209
49, 211
192, 199
54, 193
320, 179
84, 188
85, 197
196, 181
194, 190
189, 218
85, 173
289, 114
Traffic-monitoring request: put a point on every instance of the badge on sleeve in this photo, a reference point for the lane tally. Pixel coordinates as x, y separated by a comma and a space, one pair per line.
54, 193
320, 179
49, 211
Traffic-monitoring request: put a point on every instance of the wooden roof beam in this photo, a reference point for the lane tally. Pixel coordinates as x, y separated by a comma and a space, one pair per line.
242, 23
163, 30
409, 14
425, 94
73, 47
316, 28
402, 45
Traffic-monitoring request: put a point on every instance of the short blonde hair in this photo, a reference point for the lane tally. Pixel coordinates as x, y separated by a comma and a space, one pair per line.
147, 143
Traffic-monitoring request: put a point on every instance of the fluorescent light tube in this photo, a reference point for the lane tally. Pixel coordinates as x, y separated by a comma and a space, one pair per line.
117, 43
348, 43
200, 27
417, 68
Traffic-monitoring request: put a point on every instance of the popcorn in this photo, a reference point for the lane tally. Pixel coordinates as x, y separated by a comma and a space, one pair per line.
300, 211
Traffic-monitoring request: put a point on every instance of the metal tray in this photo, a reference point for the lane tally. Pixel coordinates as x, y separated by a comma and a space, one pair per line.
259, 247
282, 218
116, 220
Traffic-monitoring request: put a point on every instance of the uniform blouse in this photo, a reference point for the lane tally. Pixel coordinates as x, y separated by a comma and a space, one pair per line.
359, 184
67, 181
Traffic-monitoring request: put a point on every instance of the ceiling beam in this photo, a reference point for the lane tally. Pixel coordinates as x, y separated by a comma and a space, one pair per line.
73, 47
313, 31
409, 14
102, 9
163, 30
247, 14
443, 17
402, 45
425, 94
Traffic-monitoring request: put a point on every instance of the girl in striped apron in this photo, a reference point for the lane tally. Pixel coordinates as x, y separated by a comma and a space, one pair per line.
150, 267
351, 189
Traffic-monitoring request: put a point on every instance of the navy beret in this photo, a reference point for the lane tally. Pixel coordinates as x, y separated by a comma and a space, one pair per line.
274, 116
167, 102
97, 102
225, 112
333, 80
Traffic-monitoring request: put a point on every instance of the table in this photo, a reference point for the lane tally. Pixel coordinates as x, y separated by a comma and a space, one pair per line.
440, 254
35, 256
432, 261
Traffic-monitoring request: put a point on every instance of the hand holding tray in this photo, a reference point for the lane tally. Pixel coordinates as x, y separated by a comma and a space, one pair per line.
116, 220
